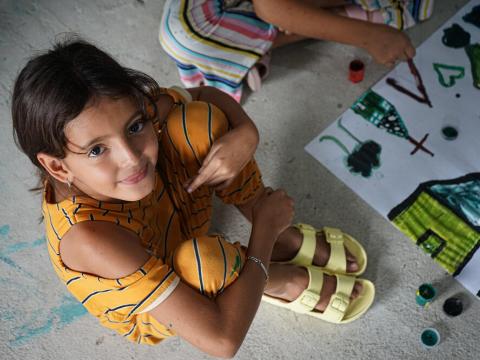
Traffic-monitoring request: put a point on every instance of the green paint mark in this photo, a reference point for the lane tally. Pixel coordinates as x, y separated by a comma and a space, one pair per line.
336, 141
427, 213
473, 52
458, 73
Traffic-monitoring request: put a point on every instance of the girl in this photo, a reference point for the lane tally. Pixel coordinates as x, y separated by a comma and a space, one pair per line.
221, 43
129, 170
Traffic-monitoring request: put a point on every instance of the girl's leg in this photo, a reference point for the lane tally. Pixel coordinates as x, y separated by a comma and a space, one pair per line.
208, 263
287, 282
291, 239
285, 38
186, 140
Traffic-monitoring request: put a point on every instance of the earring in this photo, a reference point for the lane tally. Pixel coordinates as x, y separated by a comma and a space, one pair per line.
69, 183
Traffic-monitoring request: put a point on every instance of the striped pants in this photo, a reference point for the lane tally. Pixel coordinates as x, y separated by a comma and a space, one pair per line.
205, 262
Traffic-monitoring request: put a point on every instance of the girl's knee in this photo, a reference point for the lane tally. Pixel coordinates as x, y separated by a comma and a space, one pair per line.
208, 263
193, 127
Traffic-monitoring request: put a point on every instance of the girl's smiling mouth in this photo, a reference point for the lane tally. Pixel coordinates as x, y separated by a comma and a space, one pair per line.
136, 177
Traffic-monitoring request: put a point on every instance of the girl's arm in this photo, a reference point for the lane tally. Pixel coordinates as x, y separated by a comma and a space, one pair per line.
216, 326
230, 153
310, 19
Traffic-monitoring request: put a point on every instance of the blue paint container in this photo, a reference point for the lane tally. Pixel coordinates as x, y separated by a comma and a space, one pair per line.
425, 294
430, 338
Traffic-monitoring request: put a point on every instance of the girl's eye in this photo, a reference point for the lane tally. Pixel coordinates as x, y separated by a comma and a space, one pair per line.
136, 127
96, 151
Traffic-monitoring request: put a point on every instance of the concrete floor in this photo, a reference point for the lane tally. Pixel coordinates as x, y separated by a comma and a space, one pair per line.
307, 89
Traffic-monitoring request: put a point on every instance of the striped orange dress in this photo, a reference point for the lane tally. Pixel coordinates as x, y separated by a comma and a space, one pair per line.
171, 224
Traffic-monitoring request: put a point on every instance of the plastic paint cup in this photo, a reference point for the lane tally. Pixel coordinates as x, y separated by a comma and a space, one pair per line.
425, 294
430, 337
453, 306
356, 71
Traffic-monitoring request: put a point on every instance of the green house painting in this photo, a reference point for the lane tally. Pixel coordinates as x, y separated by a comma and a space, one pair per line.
443, 218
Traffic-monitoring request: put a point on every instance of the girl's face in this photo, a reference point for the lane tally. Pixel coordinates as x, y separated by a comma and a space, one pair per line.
112, 151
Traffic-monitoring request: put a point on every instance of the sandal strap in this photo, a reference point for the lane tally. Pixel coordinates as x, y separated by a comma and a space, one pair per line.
338, 259
304, 256
310, 297
340, 301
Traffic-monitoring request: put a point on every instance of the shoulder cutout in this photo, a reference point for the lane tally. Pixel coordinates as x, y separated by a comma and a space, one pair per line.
187, 97
102, 249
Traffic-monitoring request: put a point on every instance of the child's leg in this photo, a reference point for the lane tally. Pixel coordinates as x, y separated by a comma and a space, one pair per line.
397, 14
208, 263
186, 140
214, 45
291, 239
287, 282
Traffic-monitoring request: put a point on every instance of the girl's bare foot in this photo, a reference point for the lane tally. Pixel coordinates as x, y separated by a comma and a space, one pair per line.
287, 282
290, 241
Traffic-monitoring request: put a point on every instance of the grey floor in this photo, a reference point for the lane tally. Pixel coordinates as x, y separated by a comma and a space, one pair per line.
307, 89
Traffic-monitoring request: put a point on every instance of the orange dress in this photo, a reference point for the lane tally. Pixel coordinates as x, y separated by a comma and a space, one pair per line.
171, 223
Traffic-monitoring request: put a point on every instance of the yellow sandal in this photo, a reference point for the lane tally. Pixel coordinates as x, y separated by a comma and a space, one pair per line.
340, 309
338, 240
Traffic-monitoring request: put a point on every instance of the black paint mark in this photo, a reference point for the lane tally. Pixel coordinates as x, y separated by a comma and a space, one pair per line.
455, 37
365, 158
457, 95
473, 17
449, 133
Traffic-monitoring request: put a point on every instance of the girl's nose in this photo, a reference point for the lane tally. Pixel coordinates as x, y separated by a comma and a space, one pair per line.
128, 154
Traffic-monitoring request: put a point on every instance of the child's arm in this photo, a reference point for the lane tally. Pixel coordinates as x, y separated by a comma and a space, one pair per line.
309, 19
216, 326
231, 152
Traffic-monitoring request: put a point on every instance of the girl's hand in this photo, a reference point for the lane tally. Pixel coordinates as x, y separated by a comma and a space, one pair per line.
227, 157
274, 210
387, 45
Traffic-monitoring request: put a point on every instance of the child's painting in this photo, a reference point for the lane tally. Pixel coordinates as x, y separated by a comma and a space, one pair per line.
409, 146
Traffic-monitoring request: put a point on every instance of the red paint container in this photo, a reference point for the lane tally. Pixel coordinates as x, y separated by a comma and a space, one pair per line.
356, 71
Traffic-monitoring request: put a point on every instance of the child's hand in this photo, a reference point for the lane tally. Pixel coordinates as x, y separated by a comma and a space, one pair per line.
274, 210
387, 45
227, 157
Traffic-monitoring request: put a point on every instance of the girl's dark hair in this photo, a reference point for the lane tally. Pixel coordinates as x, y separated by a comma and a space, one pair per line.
54, 88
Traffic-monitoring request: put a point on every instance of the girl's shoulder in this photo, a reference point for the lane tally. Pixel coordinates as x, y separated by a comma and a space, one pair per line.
179, 94
60, 216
